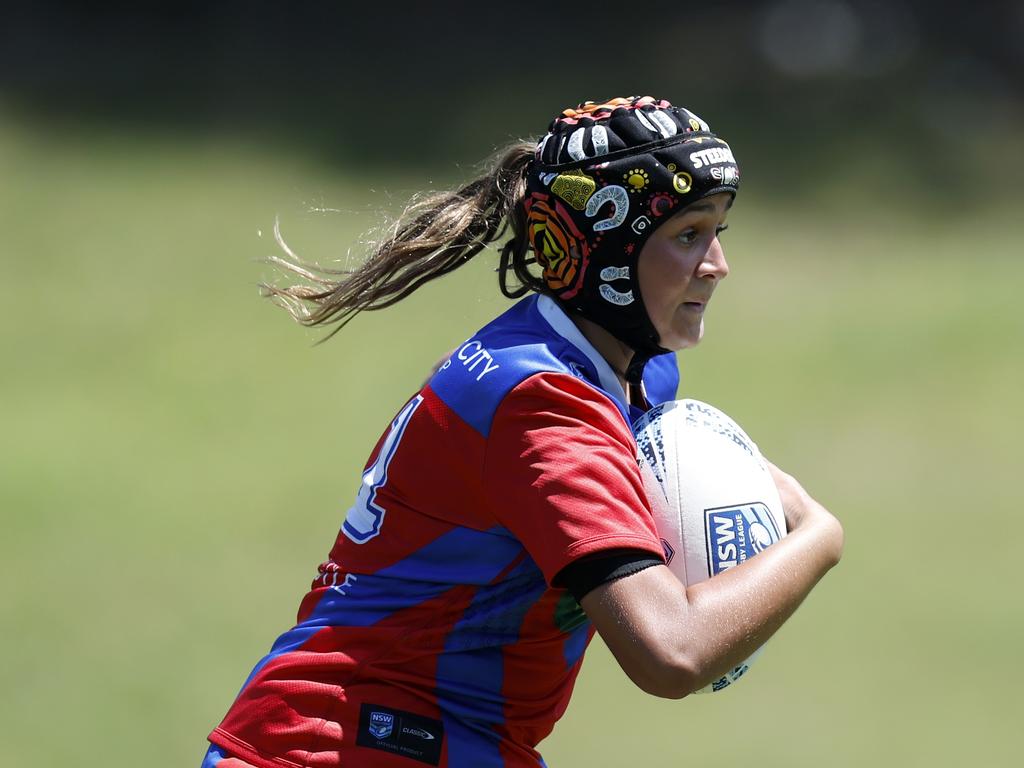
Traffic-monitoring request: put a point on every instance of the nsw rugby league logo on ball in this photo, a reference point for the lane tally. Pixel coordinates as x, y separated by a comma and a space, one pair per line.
736, 533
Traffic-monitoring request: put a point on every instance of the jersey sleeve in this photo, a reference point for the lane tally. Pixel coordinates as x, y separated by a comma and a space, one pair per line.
561, 473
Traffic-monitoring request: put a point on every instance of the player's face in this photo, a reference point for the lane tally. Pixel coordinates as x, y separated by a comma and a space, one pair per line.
680, 266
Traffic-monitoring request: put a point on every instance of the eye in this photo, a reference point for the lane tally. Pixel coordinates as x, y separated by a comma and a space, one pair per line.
720, 229
688, 236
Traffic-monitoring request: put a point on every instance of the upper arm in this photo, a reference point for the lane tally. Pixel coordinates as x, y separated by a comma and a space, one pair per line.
562, 475
640, 619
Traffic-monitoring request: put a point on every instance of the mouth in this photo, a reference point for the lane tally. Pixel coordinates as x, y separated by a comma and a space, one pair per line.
694, 306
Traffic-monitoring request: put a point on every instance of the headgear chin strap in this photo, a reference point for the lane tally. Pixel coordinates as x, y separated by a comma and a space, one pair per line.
604, 178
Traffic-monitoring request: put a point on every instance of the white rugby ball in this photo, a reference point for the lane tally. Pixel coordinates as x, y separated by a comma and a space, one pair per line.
714, 501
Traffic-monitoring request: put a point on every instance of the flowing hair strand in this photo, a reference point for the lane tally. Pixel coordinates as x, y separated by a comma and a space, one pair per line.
434, 235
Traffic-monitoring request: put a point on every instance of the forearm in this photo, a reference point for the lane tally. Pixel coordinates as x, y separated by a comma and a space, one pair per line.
726, 618
672, 640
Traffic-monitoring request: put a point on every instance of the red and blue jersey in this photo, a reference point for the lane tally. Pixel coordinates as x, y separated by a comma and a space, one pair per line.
433, 633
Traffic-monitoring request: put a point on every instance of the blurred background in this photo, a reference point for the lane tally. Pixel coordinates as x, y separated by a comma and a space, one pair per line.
177, 455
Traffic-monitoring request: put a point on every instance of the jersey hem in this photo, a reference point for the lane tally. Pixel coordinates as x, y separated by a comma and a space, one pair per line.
247, 752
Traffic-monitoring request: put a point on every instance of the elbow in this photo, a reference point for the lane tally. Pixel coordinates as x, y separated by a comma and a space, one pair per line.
831, 536
669, 676
836, 542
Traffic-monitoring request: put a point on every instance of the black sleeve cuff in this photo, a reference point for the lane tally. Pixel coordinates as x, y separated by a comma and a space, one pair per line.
584, 575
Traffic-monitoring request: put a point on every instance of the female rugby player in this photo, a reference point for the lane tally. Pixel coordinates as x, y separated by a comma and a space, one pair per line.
501, 519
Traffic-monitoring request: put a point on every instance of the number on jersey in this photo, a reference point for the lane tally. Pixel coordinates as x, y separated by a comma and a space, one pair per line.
365, 518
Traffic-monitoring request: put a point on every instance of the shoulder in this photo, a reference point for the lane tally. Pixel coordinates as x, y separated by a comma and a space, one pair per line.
495, 362
555, 419
561, 398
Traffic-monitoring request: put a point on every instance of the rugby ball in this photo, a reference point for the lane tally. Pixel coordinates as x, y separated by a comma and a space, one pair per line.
714, 501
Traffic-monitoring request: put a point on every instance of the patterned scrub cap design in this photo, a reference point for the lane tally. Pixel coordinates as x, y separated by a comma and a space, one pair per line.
605, 176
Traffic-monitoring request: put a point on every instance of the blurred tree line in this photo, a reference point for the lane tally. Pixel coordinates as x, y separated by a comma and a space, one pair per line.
935, 87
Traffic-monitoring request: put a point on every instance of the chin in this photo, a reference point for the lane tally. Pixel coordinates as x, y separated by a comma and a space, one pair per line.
683, 338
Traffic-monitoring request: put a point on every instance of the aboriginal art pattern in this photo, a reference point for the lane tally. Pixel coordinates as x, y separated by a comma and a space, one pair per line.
605, 176
575, 187
560, 248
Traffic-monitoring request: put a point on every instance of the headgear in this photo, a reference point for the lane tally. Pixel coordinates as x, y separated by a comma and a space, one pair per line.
605, 176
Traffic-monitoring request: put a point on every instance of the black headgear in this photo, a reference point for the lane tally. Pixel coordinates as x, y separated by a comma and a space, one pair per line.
606, 176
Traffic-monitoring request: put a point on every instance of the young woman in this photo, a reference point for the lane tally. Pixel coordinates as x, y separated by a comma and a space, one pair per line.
501, 518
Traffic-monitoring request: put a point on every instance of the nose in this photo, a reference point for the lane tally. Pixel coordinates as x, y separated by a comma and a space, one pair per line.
713, 264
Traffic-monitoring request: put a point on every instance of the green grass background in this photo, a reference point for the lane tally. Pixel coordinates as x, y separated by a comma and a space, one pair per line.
177, 456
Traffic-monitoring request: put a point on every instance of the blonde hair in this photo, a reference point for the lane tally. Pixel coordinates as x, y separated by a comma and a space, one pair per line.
434, 236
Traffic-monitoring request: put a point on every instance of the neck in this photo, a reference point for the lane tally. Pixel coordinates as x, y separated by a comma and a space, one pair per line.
617, 354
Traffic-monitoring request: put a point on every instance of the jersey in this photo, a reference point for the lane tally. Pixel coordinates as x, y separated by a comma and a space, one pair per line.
435, 633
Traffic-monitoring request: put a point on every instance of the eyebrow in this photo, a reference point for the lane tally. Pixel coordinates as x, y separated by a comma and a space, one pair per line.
708, 207
701, 207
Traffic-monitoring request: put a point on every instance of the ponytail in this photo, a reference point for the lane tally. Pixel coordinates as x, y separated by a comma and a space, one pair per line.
433, 237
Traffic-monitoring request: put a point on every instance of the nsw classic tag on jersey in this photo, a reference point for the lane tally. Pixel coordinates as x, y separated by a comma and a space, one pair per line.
403, 733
